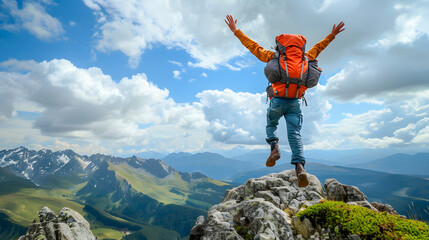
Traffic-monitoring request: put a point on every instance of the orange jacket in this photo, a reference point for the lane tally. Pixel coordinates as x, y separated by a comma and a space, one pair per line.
266, 56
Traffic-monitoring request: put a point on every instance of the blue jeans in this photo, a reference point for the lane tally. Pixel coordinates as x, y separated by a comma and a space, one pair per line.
291, 110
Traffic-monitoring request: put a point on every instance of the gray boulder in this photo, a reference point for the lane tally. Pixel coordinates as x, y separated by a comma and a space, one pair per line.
68, 225
264, 209
384, 208
259, 209
335, 191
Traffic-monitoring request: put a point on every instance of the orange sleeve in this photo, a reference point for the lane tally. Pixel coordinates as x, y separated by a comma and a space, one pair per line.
254, 48
319, 47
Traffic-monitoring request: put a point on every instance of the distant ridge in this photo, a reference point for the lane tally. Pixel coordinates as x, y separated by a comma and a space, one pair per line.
379, 186
213, 165
416, 164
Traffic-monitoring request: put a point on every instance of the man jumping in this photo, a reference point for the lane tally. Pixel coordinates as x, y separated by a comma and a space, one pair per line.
288, 107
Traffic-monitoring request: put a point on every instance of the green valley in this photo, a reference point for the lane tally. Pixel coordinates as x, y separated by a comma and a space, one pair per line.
122, 198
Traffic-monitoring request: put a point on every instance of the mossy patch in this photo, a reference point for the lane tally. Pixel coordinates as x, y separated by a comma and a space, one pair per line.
243, 232
368, 224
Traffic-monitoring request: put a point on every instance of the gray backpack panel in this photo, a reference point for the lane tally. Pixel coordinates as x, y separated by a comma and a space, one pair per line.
313, 74
272, 69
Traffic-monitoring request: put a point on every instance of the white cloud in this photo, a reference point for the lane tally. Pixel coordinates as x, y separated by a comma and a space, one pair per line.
199, 29
393, 73
396, 126
176, 74
397, 119
176, 63
198, 26
85, 104
204, 74
84, 109
234, 118
394, 67
422, 137
34, 18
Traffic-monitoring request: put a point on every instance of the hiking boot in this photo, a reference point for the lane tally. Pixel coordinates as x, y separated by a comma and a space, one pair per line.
301, 175
274, 156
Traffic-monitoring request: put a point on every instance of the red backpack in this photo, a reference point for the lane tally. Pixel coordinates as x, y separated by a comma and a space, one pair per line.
290, 72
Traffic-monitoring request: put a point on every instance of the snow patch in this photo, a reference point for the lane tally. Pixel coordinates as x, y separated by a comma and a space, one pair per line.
164, 165
11, 162
4, 163
63, 158
25, 174
95, 168
82, 162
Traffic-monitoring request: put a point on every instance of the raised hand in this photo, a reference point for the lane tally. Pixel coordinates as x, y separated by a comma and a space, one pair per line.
231, 23
338, 29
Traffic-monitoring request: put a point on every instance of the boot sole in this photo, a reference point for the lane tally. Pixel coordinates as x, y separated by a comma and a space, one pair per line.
271, 162
302, 180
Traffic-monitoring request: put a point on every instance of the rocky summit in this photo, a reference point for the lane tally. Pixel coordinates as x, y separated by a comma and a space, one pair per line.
68, 225
264, 209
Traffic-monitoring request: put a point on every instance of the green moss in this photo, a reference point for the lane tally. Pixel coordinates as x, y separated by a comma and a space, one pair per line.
368, 224
243, 232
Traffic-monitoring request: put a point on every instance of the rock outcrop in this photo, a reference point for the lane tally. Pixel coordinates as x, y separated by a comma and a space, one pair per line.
68, 225
264, 209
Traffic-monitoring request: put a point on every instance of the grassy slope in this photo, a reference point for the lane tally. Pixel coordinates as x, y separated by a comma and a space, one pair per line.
107, 233
104, 222
168, 190
10, 229
22, 205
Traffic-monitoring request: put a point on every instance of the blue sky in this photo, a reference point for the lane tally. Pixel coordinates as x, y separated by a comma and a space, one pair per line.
126, 77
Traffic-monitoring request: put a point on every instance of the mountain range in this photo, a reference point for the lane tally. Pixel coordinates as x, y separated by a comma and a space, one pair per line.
211, 164
219, 167
416, 164
161, 199
144, 196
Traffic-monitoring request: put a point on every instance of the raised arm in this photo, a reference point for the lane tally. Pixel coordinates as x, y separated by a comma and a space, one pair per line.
254, 48
320, 46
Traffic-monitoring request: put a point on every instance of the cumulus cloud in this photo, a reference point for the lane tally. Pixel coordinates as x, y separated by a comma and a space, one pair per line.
176, 74
198, 26
33, 17
392, 73
388, 66
399, 124
86, 104
240, 118
234, 118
